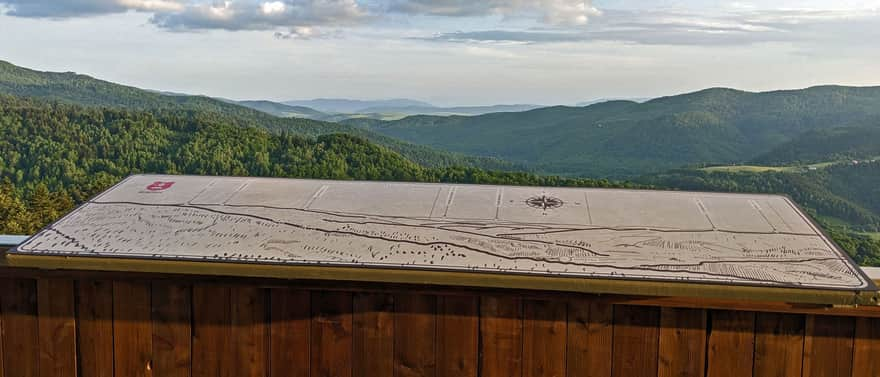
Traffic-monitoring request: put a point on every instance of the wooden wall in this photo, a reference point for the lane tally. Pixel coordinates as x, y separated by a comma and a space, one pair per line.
55, 326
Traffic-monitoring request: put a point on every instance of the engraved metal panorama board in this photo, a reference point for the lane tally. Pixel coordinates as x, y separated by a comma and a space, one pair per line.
693, 237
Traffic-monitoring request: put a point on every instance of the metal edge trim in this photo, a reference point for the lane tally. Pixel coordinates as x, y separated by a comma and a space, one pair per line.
449, 278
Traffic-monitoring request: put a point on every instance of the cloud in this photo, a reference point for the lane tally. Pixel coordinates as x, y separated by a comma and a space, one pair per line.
305, 33
262, 15
553, 12
676, 28
80, 8
267, 14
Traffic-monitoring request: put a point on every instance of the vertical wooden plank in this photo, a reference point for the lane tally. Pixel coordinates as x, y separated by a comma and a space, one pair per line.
373, 335
731, 343
211, 355
828, 346
590, 330
779, 345
866, 356
544, 333
248, 335
682, 342
636, 340
2, 373
458, 336
95, 322
289, 333
132, 329
57, 327
331, 334
415, 330
501, 337
18, 303
172, 337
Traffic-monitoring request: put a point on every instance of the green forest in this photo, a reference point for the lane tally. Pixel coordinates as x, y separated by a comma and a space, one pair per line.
626, 139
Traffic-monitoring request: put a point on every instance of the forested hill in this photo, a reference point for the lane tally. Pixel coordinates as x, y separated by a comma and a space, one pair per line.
845, 143
72, 88
53, 156
625, 139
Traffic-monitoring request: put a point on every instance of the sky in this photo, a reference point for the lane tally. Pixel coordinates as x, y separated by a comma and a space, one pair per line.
448, 52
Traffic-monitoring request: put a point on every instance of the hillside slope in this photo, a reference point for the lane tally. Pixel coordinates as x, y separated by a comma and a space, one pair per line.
284, 111
72, 88
845, 143
625, 139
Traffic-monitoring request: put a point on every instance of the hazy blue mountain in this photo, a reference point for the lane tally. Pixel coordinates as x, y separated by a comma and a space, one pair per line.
340, 109
444, 111
351, 106
626, 138
284, 111
595, 101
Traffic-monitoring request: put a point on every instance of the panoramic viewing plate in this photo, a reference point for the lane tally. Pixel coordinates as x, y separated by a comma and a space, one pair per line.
753, 240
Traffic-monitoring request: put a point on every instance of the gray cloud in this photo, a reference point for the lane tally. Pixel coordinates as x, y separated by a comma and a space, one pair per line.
268, 14
80, 8
554, 12
262, 15
669, 28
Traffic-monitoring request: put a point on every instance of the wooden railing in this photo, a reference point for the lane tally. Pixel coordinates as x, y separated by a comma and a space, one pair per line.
87, 324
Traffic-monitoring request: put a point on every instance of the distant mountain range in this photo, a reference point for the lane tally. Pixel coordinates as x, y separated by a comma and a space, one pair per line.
350, 106
625, 139
595, 101
338, 109
284, 111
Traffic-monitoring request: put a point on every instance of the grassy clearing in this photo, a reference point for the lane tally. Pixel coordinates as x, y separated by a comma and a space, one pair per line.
874, 235
748, 169
762, 169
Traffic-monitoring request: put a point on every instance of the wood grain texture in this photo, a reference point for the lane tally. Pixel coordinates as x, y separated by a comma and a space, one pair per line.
590, 331
415, 331
331, 334
172, 332
95, 323
18, 304
2, 369
290, 325
248, 333
132, 329
501, 338
57, 327
731, 343
211, 345
544, 338
866, 349
373, 335
779, 345
682, 342
828, 346
636, 340
458, 336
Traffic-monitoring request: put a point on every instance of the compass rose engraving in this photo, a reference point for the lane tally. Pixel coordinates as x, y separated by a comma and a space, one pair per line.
544, 202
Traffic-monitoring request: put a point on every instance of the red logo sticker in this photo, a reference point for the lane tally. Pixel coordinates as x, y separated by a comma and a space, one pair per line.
160, 186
